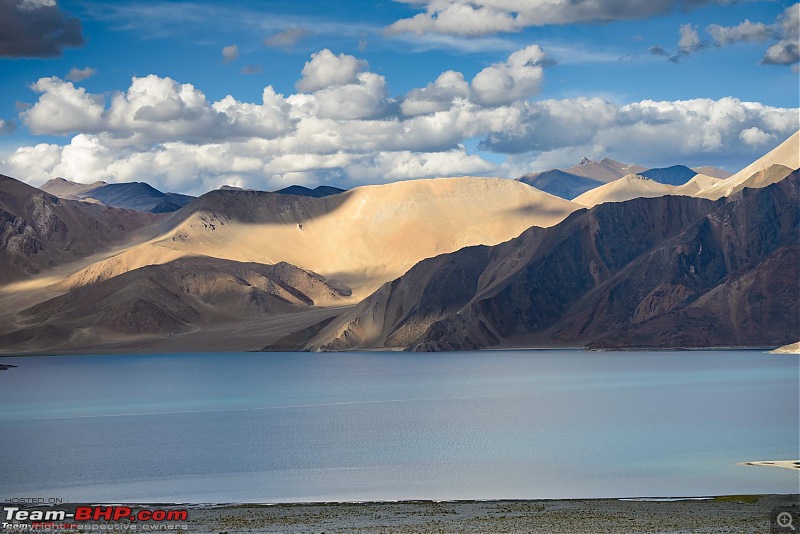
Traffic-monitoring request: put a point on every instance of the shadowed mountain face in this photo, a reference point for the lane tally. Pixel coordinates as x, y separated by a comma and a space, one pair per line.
176, 297
135, 195
662, 272
586, 175
318, 192
675, 175
40, 231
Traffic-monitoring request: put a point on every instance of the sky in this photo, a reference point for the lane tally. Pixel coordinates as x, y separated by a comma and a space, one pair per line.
191, 95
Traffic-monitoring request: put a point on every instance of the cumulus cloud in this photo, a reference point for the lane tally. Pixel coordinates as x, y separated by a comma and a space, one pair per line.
756, 137
650, 132
230, 53
36, 28
343, 127
326, 69
63, 108
518, 78
482, 17
286, 38
436, 96
77, 75
787, 50
153, 110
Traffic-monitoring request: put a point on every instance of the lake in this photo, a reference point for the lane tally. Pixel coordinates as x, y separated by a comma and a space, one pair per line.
286, 427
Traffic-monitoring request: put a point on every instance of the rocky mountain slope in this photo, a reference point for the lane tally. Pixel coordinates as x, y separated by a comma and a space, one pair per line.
39, 231
662, 272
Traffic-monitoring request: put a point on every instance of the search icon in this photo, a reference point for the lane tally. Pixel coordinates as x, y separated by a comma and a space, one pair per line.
785, 520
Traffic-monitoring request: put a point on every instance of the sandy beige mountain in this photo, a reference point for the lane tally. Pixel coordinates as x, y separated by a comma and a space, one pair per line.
358, 239
786, 154
698, 183
626, 188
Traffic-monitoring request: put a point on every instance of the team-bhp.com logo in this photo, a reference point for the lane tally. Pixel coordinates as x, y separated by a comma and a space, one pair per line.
18, 519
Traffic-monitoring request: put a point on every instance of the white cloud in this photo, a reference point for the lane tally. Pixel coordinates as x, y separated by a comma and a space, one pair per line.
76, 75
325, 69
482, 17
787, 50
516, 79
436, 96
747, 32
63, 108
785, 31
365, 99
230, 53
153, 110
756, 137
346, 129
690, 40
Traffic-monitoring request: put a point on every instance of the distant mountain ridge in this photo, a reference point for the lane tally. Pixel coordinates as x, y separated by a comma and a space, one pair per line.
138, 196
586, 175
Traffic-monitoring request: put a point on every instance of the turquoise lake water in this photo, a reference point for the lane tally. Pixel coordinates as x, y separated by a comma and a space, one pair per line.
281, 427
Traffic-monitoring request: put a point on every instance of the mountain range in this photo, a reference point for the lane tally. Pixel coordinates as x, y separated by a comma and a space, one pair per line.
437, 264
588, 175
137, 196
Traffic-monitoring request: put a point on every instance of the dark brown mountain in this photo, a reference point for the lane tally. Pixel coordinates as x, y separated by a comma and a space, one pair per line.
661, 272
40, 231
160, 300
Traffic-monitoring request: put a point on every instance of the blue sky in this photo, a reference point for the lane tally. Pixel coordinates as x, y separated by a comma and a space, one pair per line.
653, 83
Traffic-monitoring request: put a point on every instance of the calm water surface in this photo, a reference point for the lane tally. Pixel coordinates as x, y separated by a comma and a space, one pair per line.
279, 427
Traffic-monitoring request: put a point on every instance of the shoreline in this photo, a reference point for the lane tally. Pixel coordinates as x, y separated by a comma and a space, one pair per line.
729, 514
766, 350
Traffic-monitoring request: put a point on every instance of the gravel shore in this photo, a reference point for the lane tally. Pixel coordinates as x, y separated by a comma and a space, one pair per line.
745, 514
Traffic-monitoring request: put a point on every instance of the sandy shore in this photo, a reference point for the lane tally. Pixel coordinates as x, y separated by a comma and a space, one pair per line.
745, 514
